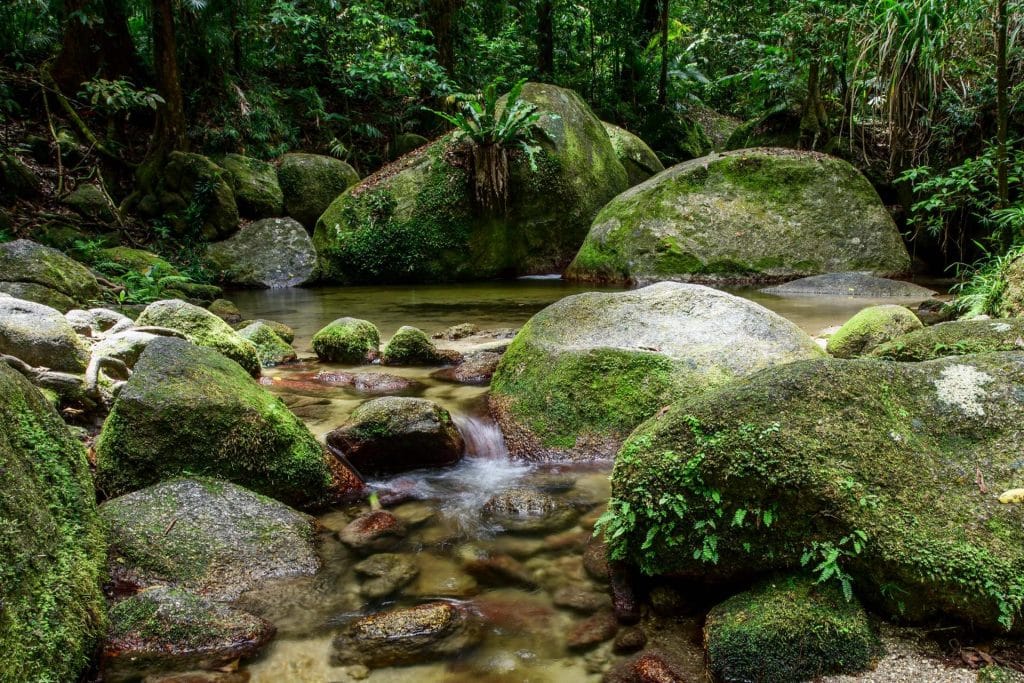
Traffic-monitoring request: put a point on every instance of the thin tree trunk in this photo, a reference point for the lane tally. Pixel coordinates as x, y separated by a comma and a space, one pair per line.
545, 38
812, 122
165, 61
1002, 103
440, 20
101, 48
663, 78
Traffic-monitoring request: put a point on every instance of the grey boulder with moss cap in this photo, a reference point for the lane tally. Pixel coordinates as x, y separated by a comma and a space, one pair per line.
31, 271
416, 221
40, 336
190, 410
585, 371
273, 252
755, 214
52, 542
876, 464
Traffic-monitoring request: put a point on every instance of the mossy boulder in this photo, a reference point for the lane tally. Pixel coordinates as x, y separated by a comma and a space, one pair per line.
397, 434
310, 182
51, 541
955, 338
226, 310
30, 291
789, 630
192, 184
283, 331
89, 201
779, 127
189, 409
164, 629
17, 181
26, 262
347, 340
411, 346
40, 336
407, 142
271, 348
675, 133
871, 327
207, 536
254, 182
138, 261
851, 285
585, 371
1011, 301
892, 470
273, 252
203, 328
636, 157
757, 214
416, 220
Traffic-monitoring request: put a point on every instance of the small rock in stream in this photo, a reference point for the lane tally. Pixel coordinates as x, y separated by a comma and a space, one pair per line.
648, 667
373, 532
624, 601
527, 511
385, 574
500, 570
580, 599
592, 631
629, 639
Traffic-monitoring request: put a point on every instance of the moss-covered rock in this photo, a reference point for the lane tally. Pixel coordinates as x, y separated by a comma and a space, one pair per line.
636, 157
585, 371
28, 262
871, 469
271, 348
188, 409
164, 629
851, 285
397, 434
871, 327
416, 220
207, 536
1011, 300
30, 291
51, 541
411, 346
132, 260
255, 185
191, 187
203, 328
676, 134
283, 331
407, 142
779, 127
757, 214
274, 252
17, 181
788, 630
40, 336
310, 182
89, 201
347, 340
955, 338
226, 310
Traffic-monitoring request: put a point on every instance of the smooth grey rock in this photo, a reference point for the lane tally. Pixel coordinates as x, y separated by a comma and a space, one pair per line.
852, 285
40, 336
273, 252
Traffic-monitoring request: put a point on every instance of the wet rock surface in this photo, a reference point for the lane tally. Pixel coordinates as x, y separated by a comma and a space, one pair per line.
528, 511
373, 532
385, 573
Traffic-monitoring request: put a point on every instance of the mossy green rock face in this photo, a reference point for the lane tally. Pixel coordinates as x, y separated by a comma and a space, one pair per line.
585, 371
255, 185
750, 215
40, 336
188, 409
51, 542
194, 181
89, 202
202, 328
787, 631
30, 291
31, 263
138, 261
273, 252
1011, 302
870, 327
410, 346
347, 340
636, 157
164, 629
397, 434
955, 338
415, 221
207, 536
310, 183
271, 348
840, 455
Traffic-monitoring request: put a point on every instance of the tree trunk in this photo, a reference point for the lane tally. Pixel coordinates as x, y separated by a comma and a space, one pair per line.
1002, 103
813, 124
171, 135
644, 27
663, 78
440, 20
98, 48
545, 38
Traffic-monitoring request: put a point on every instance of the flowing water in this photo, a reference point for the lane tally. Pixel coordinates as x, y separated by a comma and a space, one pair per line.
526, 633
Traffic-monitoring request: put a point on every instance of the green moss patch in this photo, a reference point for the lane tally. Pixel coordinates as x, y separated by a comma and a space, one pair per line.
869, 328
347, 340
955, 338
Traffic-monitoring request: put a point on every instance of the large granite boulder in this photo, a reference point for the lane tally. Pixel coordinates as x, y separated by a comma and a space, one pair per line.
636, 157
886, 475
51, 540
273, 252
310, 182
585, 371
255, 185
203, 328
416, 220
190, 410
851, 285
756, 214
40, 336
397, 434
207, 536
31, 271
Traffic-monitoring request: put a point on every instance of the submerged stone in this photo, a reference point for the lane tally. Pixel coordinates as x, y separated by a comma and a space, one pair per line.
585, 371
754, 214
528, 511
385, 573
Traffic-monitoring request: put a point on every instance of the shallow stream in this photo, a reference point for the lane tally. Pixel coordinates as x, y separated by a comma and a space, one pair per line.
527, 630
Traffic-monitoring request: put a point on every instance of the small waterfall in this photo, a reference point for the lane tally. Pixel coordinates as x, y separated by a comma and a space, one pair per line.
483, 437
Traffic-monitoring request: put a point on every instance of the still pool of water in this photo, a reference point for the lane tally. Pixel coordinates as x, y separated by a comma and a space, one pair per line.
526, 630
